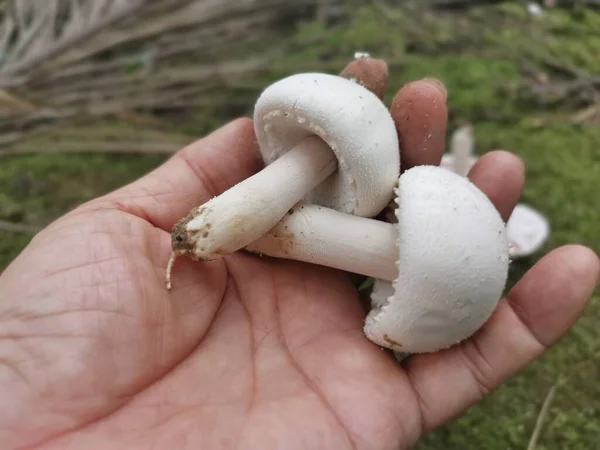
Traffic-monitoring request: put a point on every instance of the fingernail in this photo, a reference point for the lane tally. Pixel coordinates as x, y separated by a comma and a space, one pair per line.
438, 85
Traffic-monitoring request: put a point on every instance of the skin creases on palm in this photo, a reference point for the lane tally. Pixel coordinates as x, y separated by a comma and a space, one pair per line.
273, 342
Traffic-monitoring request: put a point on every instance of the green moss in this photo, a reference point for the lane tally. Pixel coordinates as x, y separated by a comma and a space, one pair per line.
36, 189
511, 9
478, 87
563, 170
561, 38
365, 31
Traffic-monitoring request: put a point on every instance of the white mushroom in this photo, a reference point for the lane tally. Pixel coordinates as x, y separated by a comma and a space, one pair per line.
461, 157
440, 270
325, 139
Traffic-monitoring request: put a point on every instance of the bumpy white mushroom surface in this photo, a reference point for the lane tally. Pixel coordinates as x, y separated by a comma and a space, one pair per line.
325, 140
453, 265
439, 271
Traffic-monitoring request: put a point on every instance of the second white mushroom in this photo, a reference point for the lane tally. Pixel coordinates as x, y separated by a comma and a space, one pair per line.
440, 270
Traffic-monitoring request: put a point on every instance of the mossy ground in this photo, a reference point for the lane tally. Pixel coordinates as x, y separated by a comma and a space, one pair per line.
486, 58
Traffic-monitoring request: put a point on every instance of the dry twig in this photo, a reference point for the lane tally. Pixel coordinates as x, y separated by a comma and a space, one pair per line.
39, 30
541, 418
96, 147
587, 115
46, 78
79, 60
18, 227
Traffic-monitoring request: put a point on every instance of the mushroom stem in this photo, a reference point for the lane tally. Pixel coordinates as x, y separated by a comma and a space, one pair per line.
249, 209
327, 237
462, 149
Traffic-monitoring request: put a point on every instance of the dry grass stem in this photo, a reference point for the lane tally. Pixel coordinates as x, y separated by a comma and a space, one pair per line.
169, 57
541, 418
18, 227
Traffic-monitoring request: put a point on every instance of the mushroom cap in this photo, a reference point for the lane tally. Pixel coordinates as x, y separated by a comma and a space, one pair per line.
453, 264
355, 124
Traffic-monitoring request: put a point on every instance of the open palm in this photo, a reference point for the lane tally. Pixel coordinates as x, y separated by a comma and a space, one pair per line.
247, 352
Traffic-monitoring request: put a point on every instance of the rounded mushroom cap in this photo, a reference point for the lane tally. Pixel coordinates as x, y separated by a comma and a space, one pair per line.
453, 264
351, 120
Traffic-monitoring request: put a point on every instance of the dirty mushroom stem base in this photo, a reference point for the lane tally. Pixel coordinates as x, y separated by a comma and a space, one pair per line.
240, 215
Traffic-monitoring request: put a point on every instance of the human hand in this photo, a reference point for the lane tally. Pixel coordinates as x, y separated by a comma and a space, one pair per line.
246, 352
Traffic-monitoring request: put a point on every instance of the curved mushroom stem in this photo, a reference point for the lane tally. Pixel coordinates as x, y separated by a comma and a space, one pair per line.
327, 237
249, 209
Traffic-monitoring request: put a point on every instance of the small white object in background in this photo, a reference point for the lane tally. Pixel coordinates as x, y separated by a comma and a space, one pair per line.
527, 229
462, 145
534, 9
361, 55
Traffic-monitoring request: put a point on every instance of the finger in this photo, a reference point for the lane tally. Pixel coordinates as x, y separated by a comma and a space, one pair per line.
501, 176
193, 176
538, 311
421, 116
370, 73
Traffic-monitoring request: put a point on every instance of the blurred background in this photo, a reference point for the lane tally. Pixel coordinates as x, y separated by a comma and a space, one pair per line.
95, 93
